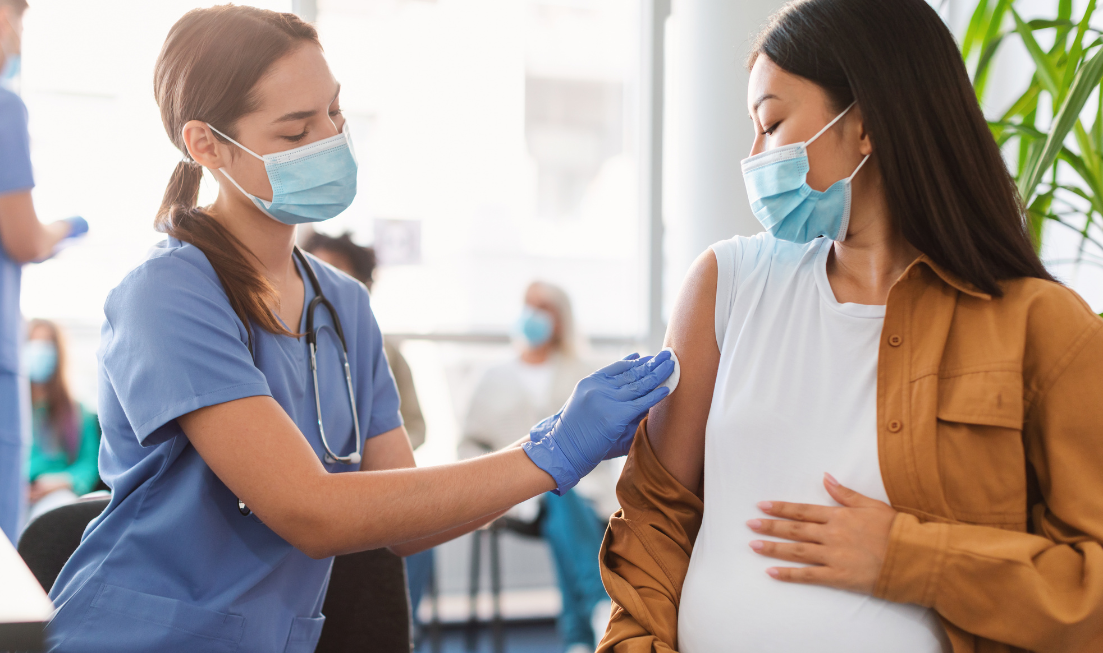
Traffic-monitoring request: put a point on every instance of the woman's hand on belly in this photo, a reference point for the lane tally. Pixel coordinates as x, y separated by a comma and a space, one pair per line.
845, 545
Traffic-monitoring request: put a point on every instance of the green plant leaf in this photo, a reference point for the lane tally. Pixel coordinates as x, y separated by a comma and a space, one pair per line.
1086, 79
977, 24
1047, 73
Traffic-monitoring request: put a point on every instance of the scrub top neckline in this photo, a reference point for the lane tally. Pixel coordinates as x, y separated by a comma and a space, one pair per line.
869, 311
308, 296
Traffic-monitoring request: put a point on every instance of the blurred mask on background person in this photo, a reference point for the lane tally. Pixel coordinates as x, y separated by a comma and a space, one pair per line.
41, 360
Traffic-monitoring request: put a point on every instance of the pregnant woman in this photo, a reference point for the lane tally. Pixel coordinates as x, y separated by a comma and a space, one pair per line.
887, 435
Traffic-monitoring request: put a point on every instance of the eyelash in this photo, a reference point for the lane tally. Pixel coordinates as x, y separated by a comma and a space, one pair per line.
771, 130
299, 137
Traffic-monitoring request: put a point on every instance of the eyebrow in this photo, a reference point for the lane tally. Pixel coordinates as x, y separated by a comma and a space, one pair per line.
760, 100
302, 115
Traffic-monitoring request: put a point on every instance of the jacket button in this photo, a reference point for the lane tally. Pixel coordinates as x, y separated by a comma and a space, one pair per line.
895, 340
895, 426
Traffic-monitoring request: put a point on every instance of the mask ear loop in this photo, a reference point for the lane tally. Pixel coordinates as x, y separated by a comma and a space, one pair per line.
233, 181
818, 134
247, 149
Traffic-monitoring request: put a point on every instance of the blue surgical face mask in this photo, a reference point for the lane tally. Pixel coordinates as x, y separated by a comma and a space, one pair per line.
311, 183
783, 201
41, 359
535, 326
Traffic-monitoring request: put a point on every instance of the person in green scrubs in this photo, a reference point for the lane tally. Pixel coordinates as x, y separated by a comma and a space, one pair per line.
66, 436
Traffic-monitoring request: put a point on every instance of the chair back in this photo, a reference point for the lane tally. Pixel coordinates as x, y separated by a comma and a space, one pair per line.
367, 607
51, 538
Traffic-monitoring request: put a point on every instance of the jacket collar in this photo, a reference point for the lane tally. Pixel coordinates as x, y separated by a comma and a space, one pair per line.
947, 277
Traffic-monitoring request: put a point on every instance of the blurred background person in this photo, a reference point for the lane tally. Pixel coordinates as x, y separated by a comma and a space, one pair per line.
23, 239
359, 263
537, 382
65, 443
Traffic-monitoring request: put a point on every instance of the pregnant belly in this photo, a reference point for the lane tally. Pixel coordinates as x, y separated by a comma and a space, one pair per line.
729, 603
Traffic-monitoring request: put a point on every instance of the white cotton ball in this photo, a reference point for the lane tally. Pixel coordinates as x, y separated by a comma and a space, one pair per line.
672, 380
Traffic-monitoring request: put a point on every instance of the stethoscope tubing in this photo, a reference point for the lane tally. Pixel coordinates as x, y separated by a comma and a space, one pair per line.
331, 457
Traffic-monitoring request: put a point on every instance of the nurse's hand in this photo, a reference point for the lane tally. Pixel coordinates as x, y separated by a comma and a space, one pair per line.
846, 545
599, 418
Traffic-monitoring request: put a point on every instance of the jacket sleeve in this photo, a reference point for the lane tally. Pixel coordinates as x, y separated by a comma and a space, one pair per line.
1042, 590
645, 555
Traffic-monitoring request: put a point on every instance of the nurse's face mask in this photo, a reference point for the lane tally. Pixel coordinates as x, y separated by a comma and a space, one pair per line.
783, 201
311, 183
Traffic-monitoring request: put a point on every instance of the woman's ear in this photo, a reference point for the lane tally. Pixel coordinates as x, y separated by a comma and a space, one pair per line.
865, 145
202, 145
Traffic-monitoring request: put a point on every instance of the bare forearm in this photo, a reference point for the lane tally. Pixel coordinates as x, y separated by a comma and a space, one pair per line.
415, 509
25, 238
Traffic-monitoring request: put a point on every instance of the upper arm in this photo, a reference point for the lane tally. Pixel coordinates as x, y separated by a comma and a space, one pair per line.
390, 450
676, 426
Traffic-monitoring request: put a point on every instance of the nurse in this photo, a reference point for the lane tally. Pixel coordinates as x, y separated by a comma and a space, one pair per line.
23, 239
228, 364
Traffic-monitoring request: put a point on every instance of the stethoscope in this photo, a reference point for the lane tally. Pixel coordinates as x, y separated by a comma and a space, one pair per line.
312, 342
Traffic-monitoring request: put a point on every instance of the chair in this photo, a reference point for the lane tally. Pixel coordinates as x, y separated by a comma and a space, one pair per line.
366, 606
49, 540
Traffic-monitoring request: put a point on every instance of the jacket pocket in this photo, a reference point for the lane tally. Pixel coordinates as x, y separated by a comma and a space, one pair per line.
305, 632
980, 448
120, 619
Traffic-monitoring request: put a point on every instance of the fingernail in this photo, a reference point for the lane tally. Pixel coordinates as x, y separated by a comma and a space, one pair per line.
773, 572
765, 506
754, 524
757, 545
830, 479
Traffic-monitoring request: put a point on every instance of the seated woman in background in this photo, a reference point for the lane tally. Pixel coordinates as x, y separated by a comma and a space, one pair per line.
66, 436
533, 383
894, 330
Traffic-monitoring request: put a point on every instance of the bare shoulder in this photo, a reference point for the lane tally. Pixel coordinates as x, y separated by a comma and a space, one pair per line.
676, 426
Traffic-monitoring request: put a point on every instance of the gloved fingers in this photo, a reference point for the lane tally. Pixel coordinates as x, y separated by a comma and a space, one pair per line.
647, 364
615, 369
648, 382
631, 357
644, 403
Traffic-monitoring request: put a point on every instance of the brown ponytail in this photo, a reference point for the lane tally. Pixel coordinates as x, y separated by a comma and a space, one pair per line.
206, 71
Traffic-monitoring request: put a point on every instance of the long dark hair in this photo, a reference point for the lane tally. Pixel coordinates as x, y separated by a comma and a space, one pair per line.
62, 414
208, 66
947, 186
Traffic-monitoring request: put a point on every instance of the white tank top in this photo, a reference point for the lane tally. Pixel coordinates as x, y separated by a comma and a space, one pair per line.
796, 396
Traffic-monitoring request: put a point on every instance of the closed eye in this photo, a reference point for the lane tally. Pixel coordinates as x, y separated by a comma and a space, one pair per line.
770, 131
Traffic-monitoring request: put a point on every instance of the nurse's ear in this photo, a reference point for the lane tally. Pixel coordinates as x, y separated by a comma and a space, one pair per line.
203, 147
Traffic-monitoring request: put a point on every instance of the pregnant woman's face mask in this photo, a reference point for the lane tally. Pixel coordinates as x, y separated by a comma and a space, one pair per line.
783, 201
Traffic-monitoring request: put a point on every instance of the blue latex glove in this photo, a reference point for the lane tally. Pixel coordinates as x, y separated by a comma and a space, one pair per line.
599, 420
78, 226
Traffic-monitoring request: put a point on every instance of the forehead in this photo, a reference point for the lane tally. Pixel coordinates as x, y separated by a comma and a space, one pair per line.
769, 79
299, 80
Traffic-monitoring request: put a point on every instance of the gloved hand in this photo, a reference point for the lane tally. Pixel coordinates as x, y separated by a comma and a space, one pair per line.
599, 420
78, 226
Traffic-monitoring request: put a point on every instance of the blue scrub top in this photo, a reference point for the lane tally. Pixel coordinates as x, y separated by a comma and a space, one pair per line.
15, 176
171, 565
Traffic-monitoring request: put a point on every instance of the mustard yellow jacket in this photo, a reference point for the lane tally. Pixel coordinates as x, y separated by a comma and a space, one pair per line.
990, 438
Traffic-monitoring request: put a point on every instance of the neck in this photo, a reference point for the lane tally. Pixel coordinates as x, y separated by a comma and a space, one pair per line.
536, 356
271, 242
863, 268
38, 393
